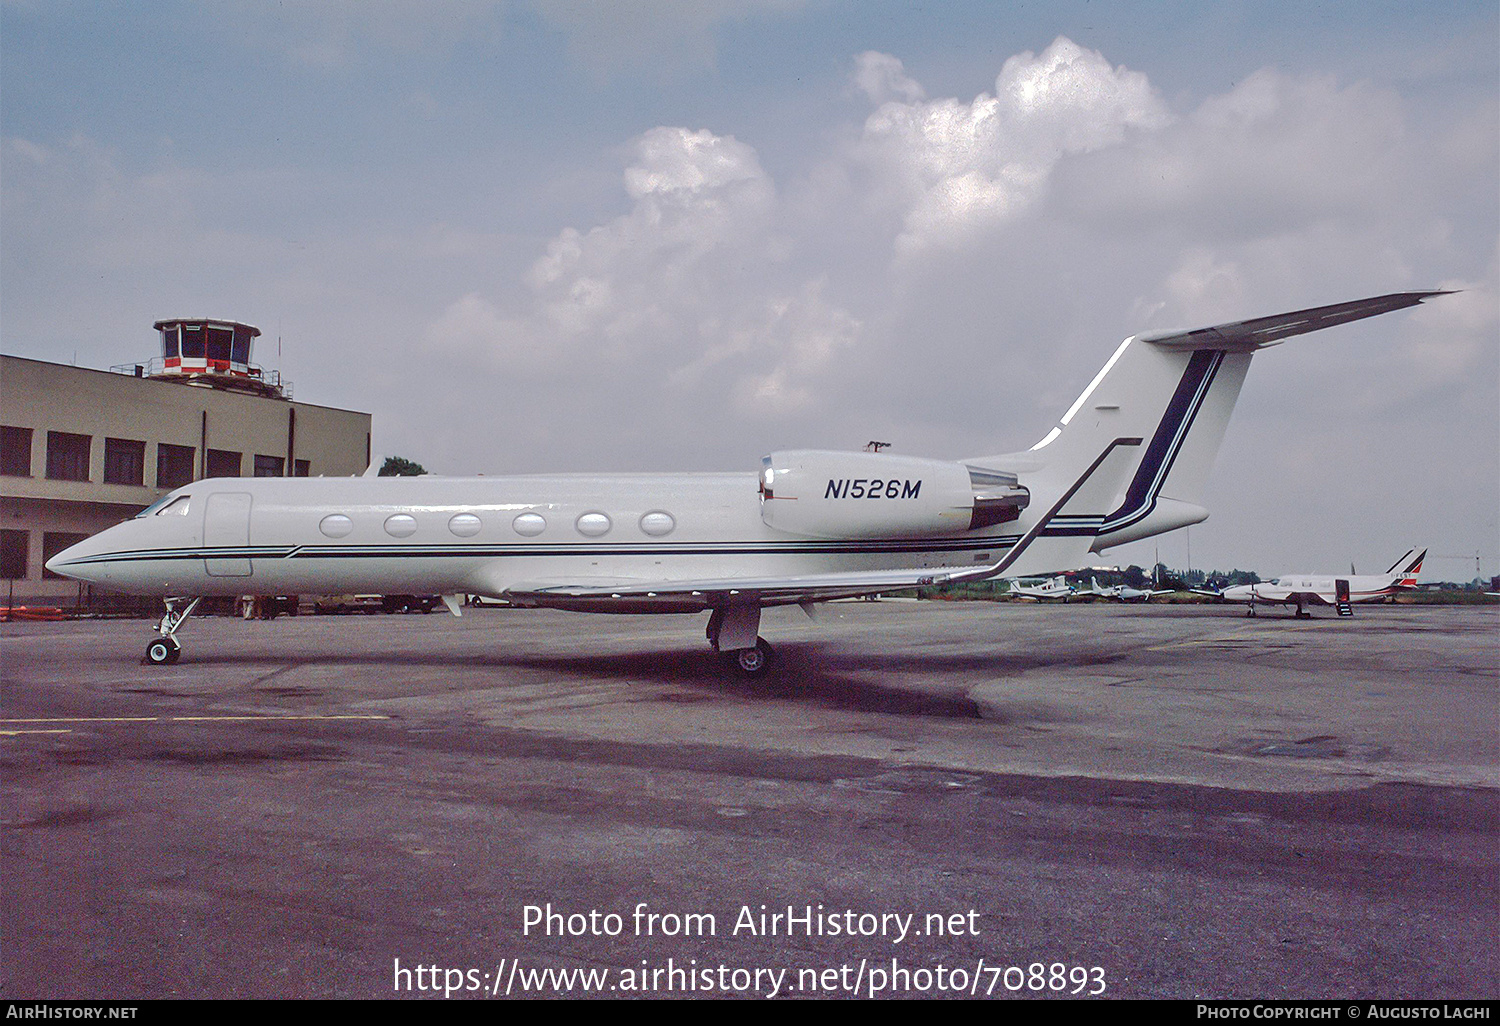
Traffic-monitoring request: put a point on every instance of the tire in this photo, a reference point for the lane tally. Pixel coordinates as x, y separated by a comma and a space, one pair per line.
163, 652
753, 662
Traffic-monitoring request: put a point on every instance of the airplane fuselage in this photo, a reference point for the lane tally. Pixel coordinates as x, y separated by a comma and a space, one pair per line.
1316, 588
481, 535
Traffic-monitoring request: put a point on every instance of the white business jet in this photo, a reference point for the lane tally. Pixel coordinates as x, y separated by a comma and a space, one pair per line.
1128, 460
1302, 590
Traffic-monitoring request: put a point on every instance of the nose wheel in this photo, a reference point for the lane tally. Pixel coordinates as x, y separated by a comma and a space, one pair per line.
166, 650
163, 651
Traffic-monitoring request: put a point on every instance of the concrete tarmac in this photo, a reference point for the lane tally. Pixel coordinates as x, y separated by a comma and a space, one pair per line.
924, 799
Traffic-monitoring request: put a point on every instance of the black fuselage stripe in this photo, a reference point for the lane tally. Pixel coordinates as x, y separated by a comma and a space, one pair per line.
513, 551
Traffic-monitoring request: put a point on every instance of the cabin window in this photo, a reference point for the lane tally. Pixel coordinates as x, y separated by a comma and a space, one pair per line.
400, 526
336, 525
465, 525
529, 524
178, 507
593, 524
657, 523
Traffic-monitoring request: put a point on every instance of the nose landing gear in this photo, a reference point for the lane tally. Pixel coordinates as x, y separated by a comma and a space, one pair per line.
163, 651
166, 650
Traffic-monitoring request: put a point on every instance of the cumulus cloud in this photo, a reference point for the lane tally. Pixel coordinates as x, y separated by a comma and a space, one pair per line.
883, 78
680, 292
963, 167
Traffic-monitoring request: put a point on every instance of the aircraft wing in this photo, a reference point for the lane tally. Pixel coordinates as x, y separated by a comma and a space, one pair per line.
703, 592
1308, 598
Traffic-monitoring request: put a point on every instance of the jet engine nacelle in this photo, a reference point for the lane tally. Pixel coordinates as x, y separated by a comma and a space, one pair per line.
822, 494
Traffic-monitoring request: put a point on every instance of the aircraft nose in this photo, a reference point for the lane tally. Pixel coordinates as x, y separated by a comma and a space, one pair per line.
69, 562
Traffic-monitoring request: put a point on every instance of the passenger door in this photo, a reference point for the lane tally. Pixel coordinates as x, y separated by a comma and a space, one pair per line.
226, 525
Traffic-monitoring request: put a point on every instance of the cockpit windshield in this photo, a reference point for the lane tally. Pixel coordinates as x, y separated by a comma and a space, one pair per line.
171, 505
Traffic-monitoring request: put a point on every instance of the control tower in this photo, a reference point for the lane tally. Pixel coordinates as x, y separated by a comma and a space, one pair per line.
209, 353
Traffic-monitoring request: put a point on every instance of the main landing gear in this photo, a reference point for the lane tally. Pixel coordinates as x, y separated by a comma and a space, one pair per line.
731, 632
165, 650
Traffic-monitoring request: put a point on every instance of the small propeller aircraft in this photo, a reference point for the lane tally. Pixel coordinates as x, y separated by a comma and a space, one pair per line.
1056, 589
1302, 590
1123, 592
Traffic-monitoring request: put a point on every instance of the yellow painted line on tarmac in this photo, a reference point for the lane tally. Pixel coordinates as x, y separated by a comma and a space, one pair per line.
196, 719
13, 733
272, 719
88, 719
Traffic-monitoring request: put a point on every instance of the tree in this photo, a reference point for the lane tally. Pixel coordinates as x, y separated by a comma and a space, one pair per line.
396, 466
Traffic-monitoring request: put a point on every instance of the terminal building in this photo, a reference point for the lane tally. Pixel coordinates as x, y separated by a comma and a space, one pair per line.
81, 450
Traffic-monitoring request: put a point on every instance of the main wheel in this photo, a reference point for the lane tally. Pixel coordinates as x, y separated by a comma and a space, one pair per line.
754, 661
163, 652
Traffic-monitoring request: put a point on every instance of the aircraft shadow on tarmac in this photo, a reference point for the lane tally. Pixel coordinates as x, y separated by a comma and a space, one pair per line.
811, 673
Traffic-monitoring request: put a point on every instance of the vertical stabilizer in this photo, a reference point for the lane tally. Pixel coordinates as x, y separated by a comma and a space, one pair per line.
1174, 390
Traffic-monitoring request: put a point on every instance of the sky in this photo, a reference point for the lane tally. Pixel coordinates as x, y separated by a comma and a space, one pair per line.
551, 235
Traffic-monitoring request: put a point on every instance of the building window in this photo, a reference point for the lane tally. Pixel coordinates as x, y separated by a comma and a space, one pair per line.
124, 461
223, 463
174, 465
13, 549
67, 456
54, 542
300, 468
270, 466
15, 451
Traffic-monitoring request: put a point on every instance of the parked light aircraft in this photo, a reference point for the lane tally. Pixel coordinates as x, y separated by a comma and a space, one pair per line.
1123, 592
1128, 460
1302, 590
1056, 589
